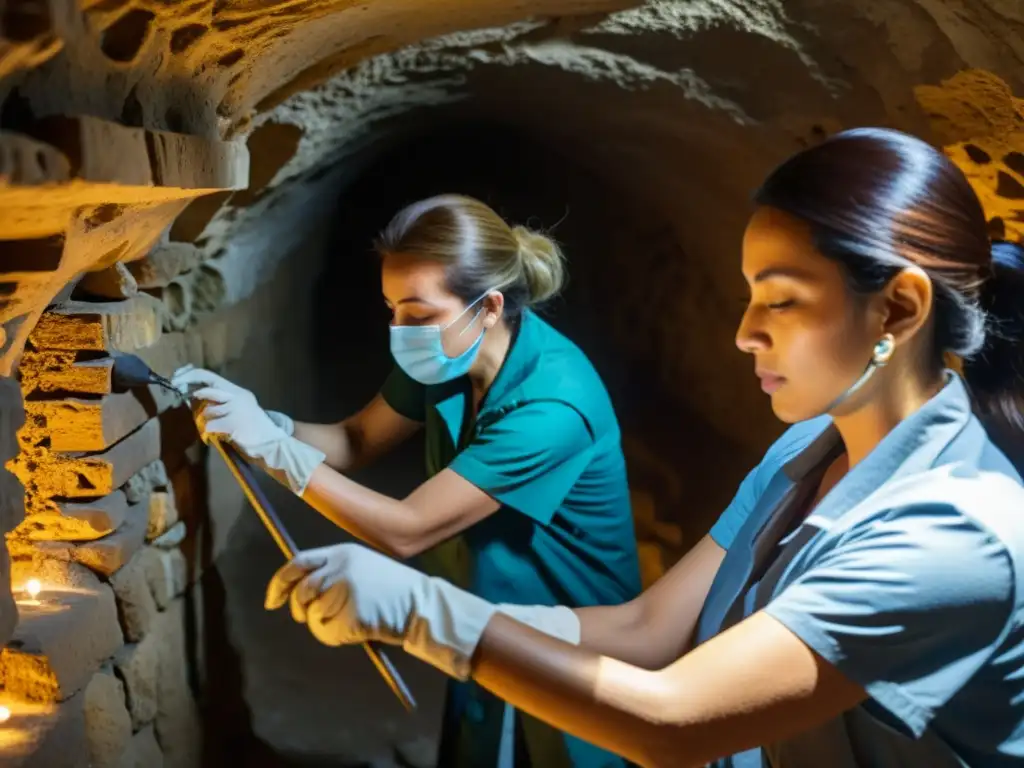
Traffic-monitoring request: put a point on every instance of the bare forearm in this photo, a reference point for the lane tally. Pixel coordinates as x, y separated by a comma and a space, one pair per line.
334, 440
378, 520
657, 628
756, 683
618, 631
603, 701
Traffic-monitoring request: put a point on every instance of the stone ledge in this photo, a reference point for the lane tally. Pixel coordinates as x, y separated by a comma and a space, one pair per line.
75, 424
163, 264
102, 473
98, 150
53, 573
29, 212
57, 371
111, 326
101, 516
114, 281
191, 162
60, 642
173, 537
106, 152
105, 555
43, 735
51, 521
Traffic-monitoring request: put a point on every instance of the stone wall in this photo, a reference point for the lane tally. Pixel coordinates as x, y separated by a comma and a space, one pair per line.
101, 647
12, 416
125, 515
79, 194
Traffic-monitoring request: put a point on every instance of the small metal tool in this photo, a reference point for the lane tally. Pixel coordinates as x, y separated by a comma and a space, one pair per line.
130, 371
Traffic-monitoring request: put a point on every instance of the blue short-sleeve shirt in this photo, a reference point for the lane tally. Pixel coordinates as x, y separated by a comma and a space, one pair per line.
545, 444
907, 577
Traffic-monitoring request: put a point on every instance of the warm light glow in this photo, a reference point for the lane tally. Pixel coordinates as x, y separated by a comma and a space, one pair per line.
33, 587
22, 724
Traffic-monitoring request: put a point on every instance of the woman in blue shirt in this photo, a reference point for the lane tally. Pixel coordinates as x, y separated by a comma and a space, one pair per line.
861, 601
527, 500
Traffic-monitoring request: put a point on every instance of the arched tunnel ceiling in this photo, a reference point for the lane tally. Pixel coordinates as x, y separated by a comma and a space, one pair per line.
681, 106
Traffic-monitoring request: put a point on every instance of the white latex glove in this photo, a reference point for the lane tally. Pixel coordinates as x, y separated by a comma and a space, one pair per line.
181, 380
283, 420
232, 412
349, 594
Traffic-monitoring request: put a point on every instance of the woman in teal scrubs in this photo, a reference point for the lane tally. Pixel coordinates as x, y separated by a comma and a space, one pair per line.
860, 604
527, 500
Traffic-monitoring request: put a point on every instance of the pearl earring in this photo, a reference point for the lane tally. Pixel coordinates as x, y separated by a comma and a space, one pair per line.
883, 350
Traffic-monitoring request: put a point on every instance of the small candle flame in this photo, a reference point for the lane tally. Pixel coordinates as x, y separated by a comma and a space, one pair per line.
33, 588
5, 714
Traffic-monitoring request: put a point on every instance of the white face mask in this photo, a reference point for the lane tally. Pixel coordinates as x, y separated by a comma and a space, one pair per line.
419, 351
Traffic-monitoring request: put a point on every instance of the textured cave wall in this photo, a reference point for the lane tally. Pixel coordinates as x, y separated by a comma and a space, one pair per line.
176, 163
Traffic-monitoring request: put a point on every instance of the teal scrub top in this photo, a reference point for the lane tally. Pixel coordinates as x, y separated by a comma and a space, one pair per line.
546, 445
908, 577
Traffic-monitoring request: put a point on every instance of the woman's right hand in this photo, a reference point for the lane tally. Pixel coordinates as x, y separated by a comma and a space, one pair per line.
231, 412
213, 388
347, 593
228, 409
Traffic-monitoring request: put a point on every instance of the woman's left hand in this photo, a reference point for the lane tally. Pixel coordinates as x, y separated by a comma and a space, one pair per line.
349, 594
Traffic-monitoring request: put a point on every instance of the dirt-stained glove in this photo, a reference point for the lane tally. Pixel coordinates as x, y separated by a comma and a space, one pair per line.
231, 412
348, 594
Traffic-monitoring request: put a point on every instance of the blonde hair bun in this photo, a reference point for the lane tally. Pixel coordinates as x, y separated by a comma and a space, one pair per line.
542, 262
479, 250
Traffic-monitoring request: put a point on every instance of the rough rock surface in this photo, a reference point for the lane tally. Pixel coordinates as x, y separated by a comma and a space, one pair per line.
162, 165
44, 734
61, 639
143, 751
108, 726
138, 665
